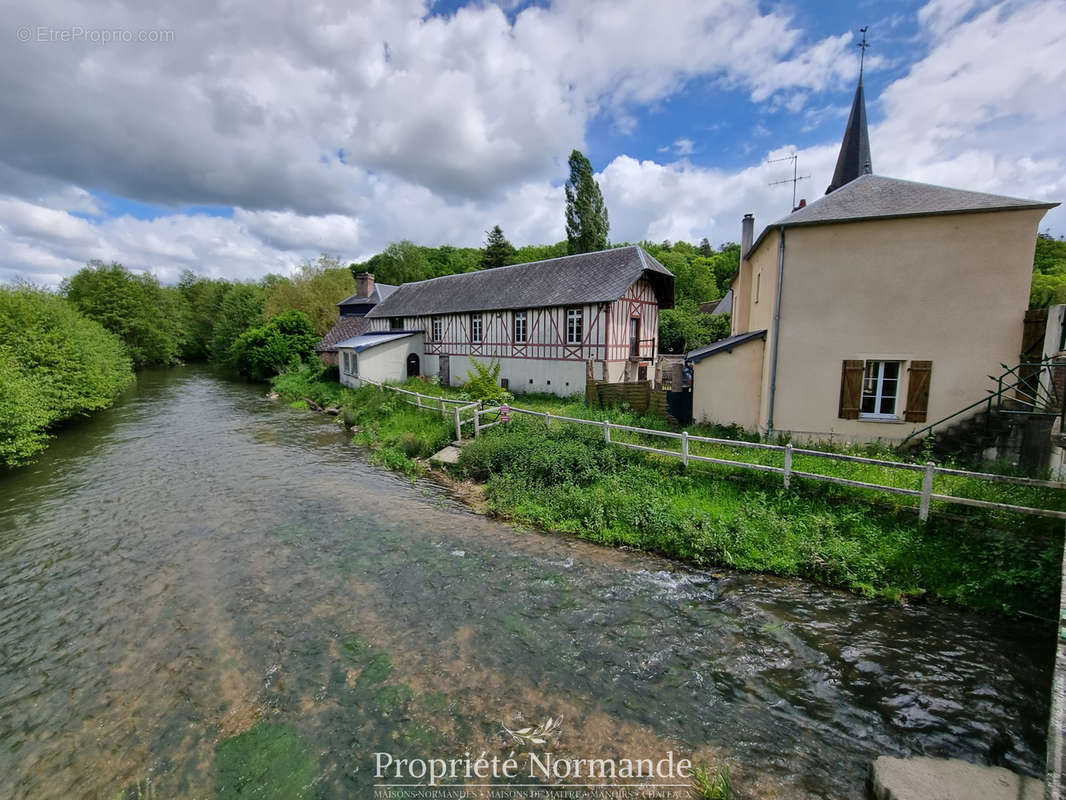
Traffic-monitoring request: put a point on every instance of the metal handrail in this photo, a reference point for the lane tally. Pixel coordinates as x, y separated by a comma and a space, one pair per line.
998, 394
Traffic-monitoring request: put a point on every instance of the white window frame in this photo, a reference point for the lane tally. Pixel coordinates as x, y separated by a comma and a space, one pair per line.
520, 317
477, 330
350, 363
436, 329
879, 389
575, 325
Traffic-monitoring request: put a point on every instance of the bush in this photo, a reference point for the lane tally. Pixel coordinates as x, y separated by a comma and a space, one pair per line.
54, 364
483, 383
281, 344
543, 458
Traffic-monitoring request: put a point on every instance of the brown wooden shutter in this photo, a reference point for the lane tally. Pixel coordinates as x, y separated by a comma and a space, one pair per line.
851, 389
920, 373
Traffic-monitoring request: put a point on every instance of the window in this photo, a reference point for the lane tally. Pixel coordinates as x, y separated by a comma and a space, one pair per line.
520, 327
351, 363
395, 323
574, 326
437, 329
475, 327
758, 283
880, 388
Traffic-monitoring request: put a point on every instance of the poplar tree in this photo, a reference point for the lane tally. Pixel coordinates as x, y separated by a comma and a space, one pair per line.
586, 213
498, 251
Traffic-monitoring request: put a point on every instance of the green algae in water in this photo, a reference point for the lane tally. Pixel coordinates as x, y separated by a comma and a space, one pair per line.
269, 762
377, 669
393, 697
355, 648
435, 702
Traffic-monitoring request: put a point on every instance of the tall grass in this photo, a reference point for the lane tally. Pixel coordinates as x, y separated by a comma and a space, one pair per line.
567, 479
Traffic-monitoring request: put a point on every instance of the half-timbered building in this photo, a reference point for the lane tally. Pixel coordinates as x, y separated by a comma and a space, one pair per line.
544, 321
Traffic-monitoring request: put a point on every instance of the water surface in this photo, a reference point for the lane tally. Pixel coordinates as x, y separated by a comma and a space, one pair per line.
202, 584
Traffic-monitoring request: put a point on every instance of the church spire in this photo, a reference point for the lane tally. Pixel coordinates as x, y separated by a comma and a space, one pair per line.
854, 159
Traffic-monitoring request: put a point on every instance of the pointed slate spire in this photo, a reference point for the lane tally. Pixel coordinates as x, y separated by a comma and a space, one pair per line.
854, 159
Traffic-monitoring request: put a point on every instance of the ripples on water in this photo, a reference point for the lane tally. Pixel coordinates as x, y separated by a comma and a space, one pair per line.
200, 562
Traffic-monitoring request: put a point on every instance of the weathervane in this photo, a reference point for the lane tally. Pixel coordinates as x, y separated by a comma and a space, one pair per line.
862, 48
794, 158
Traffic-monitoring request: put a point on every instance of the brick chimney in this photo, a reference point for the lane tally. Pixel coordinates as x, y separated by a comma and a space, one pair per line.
364, 284
747, 234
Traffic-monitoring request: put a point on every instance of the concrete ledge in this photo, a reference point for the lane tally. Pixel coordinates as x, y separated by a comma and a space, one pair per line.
449, 455
948, 779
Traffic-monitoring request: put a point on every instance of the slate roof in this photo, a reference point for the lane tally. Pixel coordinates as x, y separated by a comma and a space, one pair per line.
345, 328
602, 276
854, 157
723, 306
381, 291
723, 345
871, 197
368, 340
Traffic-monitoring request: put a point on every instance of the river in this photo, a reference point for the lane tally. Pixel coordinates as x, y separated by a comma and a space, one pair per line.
202, 587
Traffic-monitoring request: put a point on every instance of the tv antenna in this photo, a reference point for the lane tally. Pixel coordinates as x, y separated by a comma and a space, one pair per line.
794, 158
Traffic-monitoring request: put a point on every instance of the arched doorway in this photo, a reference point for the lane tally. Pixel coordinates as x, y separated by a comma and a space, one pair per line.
413, 366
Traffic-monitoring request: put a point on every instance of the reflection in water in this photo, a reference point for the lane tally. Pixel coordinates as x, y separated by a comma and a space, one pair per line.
201, 584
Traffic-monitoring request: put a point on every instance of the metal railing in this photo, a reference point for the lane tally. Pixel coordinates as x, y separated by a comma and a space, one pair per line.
1035, 392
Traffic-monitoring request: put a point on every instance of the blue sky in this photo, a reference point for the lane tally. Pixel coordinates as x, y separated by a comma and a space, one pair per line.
258, 135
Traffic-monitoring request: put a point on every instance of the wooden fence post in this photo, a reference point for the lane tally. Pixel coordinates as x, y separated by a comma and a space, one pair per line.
684, 448
607, 431
419, 400
788, 465
927, 491
477, 422
458, 426
547, 419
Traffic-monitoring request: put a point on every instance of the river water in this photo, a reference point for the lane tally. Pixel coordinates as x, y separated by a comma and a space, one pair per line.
202, 589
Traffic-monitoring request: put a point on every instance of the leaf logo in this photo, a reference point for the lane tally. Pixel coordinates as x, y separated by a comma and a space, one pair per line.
538, 735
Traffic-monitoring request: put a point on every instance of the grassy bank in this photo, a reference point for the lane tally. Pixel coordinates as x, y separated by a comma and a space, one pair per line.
567, 479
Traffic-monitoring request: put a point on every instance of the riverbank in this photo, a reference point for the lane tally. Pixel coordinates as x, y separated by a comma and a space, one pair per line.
568, 480
255, 591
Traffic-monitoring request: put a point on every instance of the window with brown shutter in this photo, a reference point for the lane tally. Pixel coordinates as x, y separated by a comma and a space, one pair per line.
850, 389
920, 373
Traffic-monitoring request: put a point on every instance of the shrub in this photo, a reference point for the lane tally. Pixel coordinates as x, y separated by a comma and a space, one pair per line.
54, 364
269, 349
483, 382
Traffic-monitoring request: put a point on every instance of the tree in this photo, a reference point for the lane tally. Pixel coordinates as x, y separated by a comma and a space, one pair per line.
200, 311
586, 213
314, 290
401, 262
55, 364
498, 251
133, 307
241, 308
685, 328
705, 247
282, 343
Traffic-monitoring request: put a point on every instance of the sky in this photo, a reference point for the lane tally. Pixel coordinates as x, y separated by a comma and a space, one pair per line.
244, 138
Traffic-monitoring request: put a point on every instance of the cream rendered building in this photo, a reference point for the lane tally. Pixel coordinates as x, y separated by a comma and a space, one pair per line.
872, 312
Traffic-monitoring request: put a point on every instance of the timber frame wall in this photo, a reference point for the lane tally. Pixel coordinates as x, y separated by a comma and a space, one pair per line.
604, 335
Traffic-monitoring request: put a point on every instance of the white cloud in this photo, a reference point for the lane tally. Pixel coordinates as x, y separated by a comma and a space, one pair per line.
450, 125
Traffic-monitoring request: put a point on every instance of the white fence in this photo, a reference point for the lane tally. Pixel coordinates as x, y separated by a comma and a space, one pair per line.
929, 470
